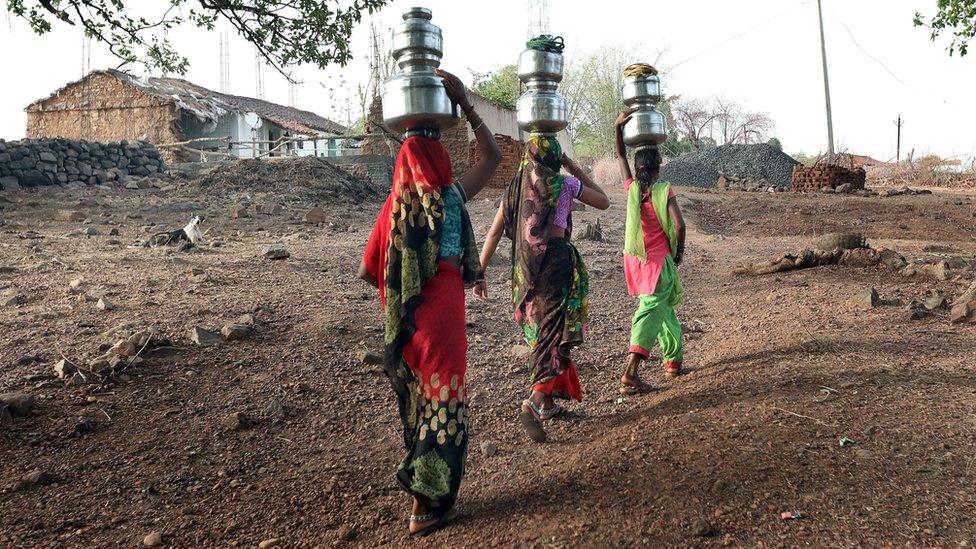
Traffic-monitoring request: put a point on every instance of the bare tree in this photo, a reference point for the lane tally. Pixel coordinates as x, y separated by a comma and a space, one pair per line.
692, 118
739, 125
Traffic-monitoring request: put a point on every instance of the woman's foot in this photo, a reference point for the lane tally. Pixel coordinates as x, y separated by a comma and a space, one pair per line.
672, 369
424, 523
530, 417
634, 385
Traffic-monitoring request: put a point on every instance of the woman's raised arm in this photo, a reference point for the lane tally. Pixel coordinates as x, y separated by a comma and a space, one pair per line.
491, 156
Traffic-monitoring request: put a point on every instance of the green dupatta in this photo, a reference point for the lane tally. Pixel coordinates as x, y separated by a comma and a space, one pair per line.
634, 232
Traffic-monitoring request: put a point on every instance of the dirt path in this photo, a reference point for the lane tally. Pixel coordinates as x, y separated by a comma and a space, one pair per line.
781, 367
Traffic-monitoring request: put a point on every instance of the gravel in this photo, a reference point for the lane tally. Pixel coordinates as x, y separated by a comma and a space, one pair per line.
761, 163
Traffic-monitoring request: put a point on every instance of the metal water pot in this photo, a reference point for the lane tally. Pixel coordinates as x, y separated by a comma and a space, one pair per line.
541, 109
415, 97
647, 125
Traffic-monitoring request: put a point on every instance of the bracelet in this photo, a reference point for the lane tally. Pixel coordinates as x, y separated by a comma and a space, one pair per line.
579, 191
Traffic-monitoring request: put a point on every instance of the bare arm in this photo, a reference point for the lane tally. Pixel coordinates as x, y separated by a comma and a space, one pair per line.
488, 250
491, 156
493, 237
622, 163
592, 194
679, 224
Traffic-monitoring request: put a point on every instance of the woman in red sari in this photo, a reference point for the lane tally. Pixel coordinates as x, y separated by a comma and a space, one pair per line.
421, 256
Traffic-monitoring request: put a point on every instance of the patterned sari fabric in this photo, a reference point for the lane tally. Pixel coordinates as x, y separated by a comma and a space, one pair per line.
550, 284
423, 300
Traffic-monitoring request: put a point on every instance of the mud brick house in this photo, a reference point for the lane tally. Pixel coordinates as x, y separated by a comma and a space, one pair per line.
110, 105
460, 141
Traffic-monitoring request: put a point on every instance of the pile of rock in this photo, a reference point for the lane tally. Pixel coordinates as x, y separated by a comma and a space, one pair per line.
124, 347
236, 330
41, 162
761, 163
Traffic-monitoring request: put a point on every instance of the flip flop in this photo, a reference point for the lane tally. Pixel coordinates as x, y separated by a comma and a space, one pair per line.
530, 419
453, 515
634, 390
551, 413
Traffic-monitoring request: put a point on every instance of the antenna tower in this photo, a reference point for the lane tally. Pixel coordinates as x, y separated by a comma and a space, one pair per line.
258, 74
538, 18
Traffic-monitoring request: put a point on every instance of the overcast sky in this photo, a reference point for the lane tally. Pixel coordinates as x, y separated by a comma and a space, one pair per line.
765, 54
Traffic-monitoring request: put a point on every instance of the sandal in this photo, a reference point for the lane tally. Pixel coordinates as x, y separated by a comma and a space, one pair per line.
641, 388
555, 411
673, 369
531, 420
441, 521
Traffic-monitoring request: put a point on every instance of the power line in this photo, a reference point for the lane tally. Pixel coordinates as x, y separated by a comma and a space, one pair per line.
865, 52
746, 32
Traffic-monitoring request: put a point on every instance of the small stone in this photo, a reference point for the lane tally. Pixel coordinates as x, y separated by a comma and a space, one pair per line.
77, 380
268, 209
114, 232
237, 421
867, 298
11, 297
693, 418
315, 216
489, 449
71, 215
20, 404
275, 252
348, 533
203, 337
934, 301
154, 539
269, 543
369, 359
104, 305
238, 211
124, 348
863, 453
64, 369
916, 311
76, 285
938, 271
234, 332
92, 231
36, 477
963, 312
703, 528
870, 431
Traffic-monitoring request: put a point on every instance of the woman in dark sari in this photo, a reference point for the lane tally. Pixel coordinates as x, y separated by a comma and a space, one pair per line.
549, 280
421, 255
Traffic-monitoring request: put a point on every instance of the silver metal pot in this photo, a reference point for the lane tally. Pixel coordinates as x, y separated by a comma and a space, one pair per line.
638, 89
415, 97
541, 109
647, 125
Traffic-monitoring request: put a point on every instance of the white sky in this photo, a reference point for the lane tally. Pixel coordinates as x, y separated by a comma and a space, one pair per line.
765, 54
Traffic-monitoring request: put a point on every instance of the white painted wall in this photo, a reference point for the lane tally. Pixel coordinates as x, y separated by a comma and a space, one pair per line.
505, 122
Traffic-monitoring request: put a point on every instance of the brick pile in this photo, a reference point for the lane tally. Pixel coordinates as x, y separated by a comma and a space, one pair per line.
512, 151
815, 178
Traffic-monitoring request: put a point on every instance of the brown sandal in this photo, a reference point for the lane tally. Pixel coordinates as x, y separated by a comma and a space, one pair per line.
641, 388
531, 418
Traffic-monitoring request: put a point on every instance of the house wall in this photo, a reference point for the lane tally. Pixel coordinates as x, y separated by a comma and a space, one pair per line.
101, 108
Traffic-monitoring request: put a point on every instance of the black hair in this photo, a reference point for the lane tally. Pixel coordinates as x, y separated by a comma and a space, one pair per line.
647, 165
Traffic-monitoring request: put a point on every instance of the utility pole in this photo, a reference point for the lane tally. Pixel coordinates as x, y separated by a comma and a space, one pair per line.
898, 124
823, 51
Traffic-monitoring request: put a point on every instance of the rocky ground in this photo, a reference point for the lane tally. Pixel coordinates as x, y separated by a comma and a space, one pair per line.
800, 397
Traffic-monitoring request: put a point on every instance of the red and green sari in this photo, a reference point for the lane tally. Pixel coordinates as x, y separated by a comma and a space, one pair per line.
423, 302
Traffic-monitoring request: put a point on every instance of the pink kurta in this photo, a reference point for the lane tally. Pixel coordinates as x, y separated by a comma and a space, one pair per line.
642, 276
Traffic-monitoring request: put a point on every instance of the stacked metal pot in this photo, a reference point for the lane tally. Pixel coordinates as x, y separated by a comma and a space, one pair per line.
541, 109
415, 97
647, 126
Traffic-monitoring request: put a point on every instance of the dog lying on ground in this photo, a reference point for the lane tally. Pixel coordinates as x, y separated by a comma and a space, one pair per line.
184, 238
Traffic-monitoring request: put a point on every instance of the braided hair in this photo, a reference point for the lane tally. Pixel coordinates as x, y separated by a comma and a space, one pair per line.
647, 166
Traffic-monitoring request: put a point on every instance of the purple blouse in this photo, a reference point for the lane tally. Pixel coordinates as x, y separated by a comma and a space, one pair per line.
571, 186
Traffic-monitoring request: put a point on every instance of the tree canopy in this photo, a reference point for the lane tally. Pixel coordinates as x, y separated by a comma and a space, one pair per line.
285, 32
501, 86
957, 17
